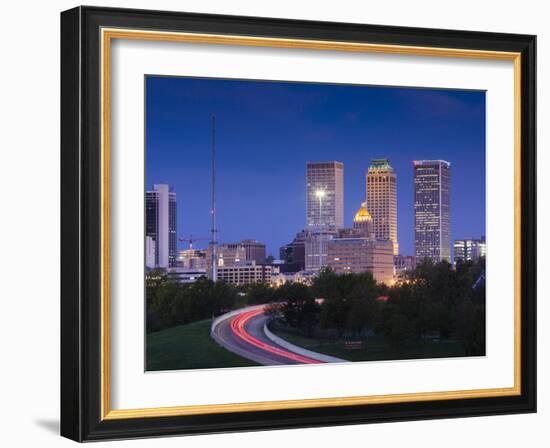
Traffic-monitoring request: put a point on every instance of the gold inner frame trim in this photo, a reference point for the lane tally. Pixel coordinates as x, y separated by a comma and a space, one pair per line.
107, 35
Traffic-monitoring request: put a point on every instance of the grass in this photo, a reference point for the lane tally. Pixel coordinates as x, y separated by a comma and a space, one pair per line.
375, 349
189, 347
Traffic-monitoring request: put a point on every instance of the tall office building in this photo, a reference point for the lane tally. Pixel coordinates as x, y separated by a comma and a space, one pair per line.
432, 211
161, 223
324, 209
324, 196
382, 201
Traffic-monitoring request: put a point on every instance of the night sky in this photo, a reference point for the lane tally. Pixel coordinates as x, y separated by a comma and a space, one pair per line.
266, 131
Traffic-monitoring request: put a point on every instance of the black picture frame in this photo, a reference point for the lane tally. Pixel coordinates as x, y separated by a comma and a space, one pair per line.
81, 224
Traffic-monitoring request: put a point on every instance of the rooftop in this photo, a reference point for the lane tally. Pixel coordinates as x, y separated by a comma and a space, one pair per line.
362, 214
379, 164
431, 163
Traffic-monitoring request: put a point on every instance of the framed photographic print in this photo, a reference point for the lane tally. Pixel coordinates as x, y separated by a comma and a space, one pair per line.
275, 224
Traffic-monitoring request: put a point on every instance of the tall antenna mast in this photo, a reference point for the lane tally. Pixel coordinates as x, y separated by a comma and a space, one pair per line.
214, 230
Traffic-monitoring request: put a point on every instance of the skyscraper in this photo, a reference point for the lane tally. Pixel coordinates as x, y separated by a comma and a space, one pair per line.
382, 201
432, 212
324, 209
324, 195
161, 224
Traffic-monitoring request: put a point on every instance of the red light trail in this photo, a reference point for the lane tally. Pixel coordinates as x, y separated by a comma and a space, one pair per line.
238, 327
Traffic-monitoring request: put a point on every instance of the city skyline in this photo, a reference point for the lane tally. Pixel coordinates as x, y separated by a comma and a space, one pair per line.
271, 203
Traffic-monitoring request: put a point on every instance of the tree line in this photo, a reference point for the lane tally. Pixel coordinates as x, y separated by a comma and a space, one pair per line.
434, 301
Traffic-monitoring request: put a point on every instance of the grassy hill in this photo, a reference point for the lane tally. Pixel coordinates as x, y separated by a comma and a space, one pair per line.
189, 347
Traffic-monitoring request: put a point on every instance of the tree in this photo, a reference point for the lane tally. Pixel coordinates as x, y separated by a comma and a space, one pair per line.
297, 307
398, 330
161, 305
258, 293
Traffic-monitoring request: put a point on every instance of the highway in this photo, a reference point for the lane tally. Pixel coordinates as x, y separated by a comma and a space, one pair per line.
243, 333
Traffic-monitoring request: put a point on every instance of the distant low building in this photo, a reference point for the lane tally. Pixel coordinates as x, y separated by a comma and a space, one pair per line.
183, 275
254, 250
193, 259
247, 272
150, 252
230, 254
294, 254
303, 277
404, 264
469, 249
356, 255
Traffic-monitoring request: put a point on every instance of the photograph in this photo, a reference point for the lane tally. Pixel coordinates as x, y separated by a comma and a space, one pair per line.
292, 223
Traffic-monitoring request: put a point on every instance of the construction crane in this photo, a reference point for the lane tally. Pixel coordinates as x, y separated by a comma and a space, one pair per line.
191, 239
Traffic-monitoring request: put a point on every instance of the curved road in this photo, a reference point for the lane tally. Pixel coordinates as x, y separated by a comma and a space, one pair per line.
243, 334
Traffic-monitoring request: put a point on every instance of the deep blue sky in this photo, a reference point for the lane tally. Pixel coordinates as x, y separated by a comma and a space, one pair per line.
266, 131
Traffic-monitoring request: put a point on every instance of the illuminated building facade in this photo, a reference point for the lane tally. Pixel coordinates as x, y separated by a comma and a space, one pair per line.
303, 277
357, 250
469, 249
246, 273
382, 200
193, 259
359, 254
363, 223
182, 275
432, 210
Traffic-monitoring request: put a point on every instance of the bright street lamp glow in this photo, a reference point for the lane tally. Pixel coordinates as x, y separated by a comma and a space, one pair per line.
320, 194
